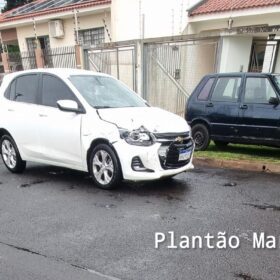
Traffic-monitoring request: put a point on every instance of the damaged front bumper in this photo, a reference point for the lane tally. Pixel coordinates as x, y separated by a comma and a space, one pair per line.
171, 154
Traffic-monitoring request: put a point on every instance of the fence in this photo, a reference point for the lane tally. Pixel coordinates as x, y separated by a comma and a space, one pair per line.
172, 70
165, 71
119, 62
63, 57
22, 60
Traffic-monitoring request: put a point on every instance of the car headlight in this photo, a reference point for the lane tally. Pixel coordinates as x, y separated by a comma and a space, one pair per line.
138, 137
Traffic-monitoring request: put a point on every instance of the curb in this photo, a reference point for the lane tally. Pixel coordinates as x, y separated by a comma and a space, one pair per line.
239, 165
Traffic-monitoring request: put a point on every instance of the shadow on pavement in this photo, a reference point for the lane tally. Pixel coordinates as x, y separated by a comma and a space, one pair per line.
57, 177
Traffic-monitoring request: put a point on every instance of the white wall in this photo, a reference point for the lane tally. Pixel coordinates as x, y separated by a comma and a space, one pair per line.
42, 29
235, 54
159, 19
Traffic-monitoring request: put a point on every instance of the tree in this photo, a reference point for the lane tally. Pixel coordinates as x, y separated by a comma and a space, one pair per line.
11, 4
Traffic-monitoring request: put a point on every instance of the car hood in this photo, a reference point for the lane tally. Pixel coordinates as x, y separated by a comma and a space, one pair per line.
153, 119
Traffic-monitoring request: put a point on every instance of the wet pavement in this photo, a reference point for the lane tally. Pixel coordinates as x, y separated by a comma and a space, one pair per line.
54, 224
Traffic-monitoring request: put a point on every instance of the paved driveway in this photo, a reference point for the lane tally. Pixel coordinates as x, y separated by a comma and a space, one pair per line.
55, 225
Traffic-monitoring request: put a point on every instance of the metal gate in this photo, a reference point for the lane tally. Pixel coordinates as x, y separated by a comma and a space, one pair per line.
119, 62
172, 70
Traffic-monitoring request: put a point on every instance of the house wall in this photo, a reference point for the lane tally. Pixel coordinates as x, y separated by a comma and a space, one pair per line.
9, 36
236, 49
198, 24
42, 29
235, 54
162, 18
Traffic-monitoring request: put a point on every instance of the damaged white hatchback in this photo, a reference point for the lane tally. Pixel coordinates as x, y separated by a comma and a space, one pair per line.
91, 122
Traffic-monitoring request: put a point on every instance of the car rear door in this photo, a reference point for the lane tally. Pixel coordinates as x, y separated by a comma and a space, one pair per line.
22, 114
223, 107
59, 130
259, 119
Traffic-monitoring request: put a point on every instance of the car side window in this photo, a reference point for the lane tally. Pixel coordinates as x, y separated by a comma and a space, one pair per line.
25, 89
226, 89
54, 89
204, 93
258, 90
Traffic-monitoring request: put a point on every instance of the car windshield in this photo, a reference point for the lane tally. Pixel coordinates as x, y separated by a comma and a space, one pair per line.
105, 92
277, 80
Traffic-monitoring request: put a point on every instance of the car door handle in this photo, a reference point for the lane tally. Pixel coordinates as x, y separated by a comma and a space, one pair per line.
43, 115
210, 104
244, 107
11, 110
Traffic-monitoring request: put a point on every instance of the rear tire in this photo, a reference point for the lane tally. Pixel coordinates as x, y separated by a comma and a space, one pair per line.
201, 137
11, 156
104, 167
221, 144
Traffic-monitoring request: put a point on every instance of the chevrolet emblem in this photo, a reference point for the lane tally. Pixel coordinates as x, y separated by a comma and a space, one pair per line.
179, 139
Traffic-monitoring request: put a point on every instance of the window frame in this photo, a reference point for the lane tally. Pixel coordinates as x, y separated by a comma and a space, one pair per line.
241, 77
15, 79
258, 77
7, 93
80, 106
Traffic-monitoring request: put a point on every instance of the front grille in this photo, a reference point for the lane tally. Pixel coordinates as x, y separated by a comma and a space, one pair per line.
170, 149
168, 138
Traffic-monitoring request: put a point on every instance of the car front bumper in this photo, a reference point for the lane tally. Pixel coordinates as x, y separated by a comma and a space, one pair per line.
150, 159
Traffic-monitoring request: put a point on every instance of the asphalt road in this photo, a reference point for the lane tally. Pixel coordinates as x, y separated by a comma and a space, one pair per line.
54, 224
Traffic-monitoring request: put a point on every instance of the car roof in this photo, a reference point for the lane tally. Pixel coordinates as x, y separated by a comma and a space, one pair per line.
61, 72
255, 74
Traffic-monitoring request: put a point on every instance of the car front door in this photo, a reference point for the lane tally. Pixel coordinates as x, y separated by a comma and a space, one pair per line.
222, 109
59, 130
259, 118
22, 114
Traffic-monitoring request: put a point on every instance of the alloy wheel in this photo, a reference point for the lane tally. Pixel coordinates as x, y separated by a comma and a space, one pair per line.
103, 167
9, 154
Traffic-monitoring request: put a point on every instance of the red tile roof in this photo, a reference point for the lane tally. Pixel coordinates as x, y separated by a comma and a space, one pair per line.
5, 17
217, 6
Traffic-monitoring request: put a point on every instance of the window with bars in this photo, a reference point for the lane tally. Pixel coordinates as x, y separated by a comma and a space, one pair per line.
43, 40
92, 37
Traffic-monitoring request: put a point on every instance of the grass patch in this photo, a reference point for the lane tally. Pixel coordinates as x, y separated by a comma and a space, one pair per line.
241, 152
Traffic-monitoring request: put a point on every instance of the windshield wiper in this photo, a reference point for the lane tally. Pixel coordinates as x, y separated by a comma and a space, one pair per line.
102, 107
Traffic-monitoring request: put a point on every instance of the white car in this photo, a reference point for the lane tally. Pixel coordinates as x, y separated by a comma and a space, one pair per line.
90, 122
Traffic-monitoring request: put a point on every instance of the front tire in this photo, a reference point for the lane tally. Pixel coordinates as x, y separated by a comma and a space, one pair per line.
201, 137
104, 167
11, 156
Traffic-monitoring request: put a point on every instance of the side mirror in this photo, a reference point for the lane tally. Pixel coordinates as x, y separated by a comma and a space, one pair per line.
69, 106
274, 101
